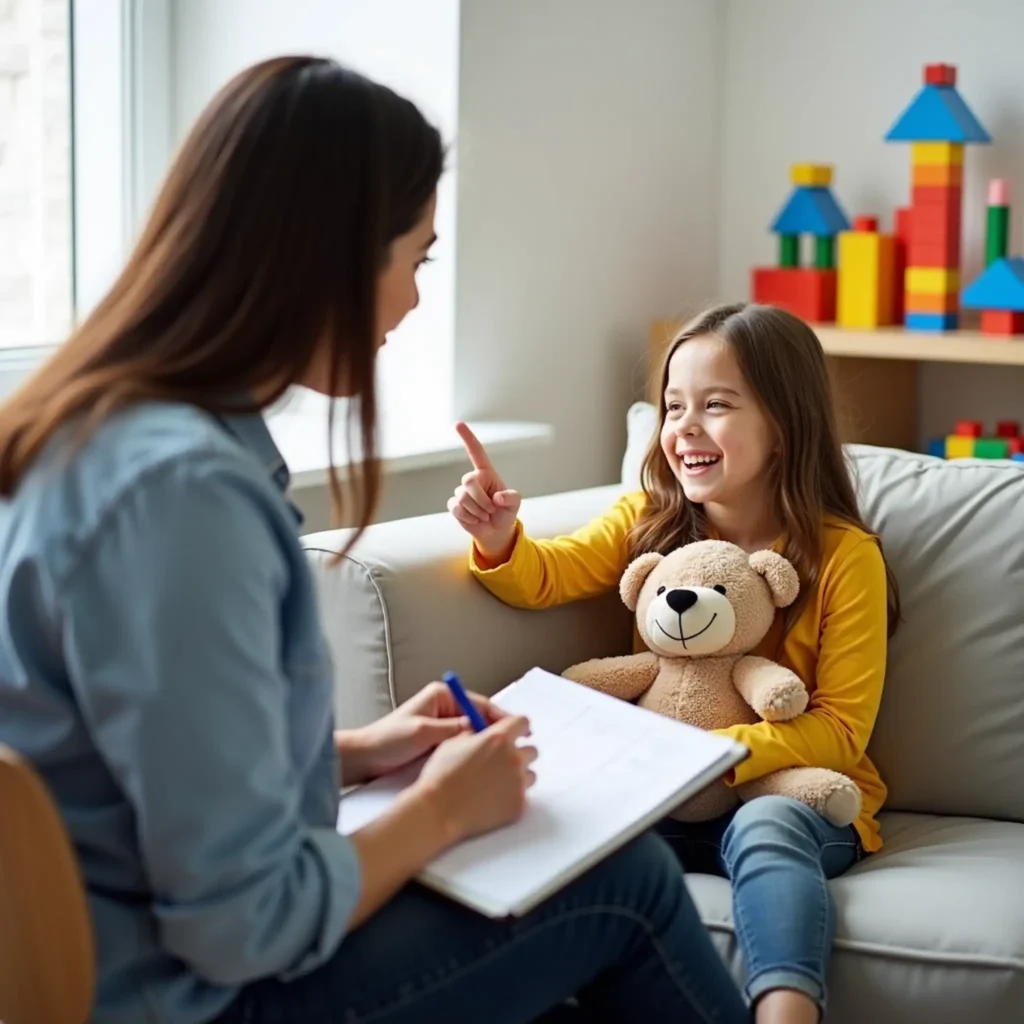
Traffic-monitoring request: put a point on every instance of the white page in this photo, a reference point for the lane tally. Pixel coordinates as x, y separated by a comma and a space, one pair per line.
606, 769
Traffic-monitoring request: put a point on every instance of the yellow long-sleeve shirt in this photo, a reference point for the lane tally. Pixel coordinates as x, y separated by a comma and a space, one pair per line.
837, 646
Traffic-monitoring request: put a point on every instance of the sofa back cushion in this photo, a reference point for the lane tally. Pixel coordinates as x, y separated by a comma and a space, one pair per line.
950, 734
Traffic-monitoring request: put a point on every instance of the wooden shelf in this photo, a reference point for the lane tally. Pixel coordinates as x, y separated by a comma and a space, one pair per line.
897, 343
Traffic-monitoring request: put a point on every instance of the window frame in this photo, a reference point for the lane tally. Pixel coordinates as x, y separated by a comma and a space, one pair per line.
120, 61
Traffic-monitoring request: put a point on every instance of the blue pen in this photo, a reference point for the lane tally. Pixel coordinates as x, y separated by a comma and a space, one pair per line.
464, 702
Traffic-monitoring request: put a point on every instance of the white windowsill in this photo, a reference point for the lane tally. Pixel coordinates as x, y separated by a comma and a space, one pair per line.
302, 440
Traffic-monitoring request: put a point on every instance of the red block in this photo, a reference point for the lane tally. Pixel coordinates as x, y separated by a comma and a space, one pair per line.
936, 195
940, 74
805, 292
1002, 322
903, 223
1008, 428
968, 428
1016, 445
865, 222
935, 254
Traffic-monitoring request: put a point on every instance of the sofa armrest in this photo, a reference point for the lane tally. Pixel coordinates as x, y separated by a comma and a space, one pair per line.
402, 608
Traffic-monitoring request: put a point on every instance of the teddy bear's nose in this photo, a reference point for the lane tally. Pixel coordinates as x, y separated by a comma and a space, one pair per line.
681, 600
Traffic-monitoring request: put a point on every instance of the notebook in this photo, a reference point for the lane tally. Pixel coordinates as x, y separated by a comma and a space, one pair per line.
606, 771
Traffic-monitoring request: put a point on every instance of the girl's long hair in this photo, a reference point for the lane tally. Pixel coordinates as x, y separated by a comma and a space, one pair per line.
783, 361
259, 261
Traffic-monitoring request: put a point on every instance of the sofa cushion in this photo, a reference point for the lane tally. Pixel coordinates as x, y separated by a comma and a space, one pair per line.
929, 929
950, 733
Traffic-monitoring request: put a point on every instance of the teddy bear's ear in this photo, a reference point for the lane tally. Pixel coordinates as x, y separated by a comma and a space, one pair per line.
635, 576
779, 574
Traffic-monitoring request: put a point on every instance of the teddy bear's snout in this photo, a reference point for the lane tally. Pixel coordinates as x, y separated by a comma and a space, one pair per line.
681, 600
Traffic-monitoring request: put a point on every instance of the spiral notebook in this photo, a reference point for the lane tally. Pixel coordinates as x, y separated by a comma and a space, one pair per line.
606, 771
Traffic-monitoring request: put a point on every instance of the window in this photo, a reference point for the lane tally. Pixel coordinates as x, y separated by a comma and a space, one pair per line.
36, 264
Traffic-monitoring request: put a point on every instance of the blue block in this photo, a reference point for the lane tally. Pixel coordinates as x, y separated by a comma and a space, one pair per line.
811, 210
1000, 286
937, 447
930, 321
937, 114
1017, 457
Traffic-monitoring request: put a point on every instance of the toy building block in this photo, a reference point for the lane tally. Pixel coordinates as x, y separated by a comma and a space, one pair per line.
938, 113
932, 281
811, 211
968, 428
930, 321
959, 446
940, 74
991, 448
997, 221
806, 292
789, 250
1018, 457
903, 223
866, 275
1008, 428
1002, 323
825, 252
811, 174
937, 174
1016, 445
931, 303
923, 153
937, 447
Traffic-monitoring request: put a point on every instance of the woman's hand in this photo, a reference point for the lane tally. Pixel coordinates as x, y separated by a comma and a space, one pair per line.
413, 729
483, 506
478, 781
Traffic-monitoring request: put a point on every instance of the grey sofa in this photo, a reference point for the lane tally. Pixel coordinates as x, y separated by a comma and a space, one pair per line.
931, 928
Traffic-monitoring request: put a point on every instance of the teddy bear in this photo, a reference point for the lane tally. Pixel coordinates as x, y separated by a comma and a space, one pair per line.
700, 610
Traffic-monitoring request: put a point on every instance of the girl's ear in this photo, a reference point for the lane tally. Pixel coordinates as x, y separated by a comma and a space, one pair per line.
635, 576
779, 574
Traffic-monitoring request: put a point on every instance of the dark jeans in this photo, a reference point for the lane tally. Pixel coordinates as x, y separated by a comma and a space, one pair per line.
625, 939
778, 854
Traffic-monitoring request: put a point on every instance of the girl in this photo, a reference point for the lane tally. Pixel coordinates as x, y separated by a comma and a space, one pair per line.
748, 452
161, 659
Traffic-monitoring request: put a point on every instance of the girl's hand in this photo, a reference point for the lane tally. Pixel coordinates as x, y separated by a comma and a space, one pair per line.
478, 781
483, 506
413, 729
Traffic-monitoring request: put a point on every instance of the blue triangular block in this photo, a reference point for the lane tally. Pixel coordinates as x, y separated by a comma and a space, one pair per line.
811, 210
1000, 286
937, 114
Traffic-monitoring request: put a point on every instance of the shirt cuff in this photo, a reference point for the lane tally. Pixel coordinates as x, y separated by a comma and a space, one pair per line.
508, 566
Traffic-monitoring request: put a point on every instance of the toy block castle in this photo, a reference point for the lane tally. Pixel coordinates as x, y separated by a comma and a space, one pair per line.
967, 442
811, 209
938, 124
999, 291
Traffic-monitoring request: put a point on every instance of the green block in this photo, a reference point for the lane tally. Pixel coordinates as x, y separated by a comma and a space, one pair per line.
789, 250
997, 233
824, 252
991, 448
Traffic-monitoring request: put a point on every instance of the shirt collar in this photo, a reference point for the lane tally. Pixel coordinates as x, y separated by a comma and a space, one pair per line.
250, 429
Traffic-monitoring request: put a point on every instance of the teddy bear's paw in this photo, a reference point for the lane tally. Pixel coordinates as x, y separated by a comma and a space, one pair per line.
842, 805
782, 698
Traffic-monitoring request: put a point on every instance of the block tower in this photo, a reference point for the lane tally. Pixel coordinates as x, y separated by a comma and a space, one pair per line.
938, 124
999, 291
811, 209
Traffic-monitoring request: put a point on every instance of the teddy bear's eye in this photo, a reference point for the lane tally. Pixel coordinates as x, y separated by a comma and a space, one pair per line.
661, 590
720, 588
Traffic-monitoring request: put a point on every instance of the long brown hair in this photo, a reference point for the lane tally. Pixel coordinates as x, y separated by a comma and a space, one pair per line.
265, 242
783, 362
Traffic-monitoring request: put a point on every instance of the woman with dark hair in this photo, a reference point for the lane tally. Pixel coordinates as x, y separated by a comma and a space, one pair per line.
161, 659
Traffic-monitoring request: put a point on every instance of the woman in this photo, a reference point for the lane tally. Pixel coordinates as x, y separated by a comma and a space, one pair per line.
162, 662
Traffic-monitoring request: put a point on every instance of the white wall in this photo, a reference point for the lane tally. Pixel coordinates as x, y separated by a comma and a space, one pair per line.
813, 81
410, 45
588, 193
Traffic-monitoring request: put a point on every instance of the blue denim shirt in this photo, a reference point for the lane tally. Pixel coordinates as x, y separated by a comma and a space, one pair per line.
163, 666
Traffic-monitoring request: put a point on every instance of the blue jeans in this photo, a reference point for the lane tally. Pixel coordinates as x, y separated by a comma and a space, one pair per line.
778, 854
625, 939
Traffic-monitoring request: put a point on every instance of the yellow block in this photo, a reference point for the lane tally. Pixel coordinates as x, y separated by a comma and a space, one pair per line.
937, 174
866, 284
811, 174
959, 447
932, 281
936, 153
